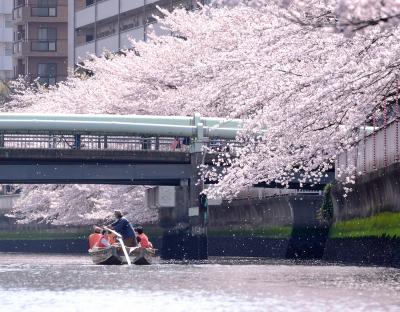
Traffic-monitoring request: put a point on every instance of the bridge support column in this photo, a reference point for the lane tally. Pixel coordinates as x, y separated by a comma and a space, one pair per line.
186, 235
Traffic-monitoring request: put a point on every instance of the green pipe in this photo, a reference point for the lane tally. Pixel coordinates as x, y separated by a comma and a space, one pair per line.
111, 127
144, 119
95, 127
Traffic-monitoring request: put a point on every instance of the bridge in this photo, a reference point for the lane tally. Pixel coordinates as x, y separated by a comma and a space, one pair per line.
106, 149
112, 149
115, 149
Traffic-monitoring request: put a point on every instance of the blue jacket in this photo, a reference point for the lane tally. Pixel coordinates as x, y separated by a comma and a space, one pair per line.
123, 227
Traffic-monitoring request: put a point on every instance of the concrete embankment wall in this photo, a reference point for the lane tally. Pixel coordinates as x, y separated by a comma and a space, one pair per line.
283, 227
373, 193
366, 223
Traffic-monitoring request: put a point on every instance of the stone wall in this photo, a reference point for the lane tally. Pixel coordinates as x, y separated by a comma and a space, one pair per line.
373, 193
252, 213
366, 219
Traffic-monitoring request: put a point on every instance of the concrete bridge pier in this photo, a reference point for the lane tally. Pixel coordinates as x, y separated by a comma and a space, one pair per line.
183, 219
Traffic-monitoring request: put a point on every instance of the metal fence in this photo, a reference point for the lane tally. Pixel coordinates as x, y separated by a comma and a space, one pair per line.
90, 142
377, 150
109, 142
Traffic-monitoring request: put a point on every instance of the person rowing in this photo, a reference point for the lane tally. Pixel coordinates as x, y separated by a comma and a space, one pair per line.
125, 228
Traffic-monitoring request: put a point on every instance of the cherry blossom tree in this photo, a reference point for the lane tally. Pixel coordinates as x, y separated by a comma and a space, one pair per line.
81, 204
310, 73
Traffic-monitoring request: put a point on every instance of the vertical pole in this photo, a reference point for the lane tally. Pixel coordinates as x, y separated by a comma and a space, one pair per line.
374, 140
105, 142
397, 120
385, 131
365, 149
77, 143
198, 227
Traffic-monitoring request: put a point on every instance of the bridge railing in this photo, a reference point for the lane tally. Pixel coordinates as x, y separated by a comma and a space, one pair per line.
119, 132
91, 142
109, 142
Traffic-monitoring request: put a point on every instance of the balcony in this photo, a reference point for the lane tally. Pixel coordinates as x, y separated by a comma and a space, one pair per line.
30, 13
107, 9
6, 7
6, 35
6, 63
85, 17
44, 45
127, 5
82, 52
109, 43
136, 34
47, 48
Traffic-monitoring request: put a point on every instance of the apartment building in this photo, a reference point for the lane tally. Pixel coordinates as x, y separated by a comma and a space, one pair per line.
99, 25
6, 38
40, 48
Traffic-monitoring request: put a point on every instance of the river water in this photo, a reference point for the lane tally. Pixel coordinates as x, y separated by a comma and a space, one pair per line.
71, 283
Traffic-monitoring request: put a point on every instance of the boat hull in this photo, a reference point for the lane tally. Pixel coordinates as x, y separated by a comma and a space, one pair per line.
114, 256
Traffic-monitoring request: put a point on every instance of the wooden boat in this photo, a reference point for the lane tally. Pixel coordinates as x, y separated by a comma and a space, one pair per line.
115, 255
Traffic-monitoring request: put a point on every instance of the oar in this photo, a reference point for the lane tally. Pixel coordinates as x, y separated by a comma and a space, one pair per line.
119, 238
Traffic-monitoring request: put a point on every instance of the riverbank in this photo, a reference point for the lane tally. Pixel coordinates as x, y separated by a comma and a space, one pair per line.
381, 251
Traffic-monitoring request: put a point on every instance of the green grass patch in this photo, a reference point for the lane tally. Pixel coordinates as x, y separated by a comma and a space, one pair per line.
272, 232
42, 235
383, 224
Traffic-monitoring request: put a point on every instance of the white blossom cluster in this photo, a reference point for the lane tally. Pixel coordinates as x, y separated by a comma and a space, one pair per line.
81, 204
270, 64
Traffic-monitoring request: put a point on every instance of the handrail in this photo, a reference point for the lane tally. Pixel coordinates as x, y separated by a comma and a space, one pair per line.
115, 128
175, 126
150, 119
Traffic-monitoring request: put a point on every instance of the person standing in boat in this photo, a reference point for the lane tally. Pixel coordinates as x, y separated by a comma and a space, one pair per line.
142, 238
123, 227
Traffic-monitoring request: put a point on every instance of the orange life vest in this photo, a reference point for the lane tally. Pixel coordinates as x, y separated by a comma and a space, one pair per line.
144, 241
111, 239
100, 243
94, 239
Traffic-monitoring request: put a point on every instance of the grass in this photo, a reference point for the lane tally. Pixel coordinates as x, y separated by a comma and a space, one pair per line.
64, 233
271, 232
383, 224
41, 235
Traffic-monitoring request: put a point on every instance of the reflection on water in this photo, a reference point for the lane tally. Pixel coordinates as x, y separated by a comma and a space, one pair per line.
72, 283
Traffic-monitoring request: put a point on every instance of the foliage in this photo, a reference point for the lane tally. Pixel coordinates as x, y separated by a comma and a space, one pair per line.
4, 93
81, 204
383, 224
326, 211
310, 72
44, 234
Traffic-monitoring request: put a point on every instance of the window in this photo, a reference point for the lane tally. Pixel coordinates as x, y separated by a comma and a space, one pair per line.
18, 3
45, 8
89, 2
47, 73
47, 40
106, 29
8, 49
8, 21
47, 33
131, 21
